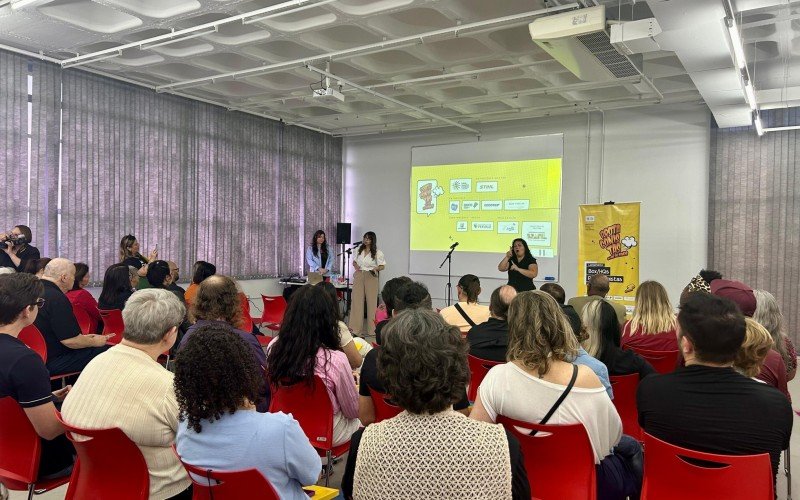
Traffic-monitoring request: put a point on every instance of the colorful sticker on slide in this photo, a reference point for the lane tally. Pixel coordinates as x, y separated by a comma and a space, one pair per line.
427, 192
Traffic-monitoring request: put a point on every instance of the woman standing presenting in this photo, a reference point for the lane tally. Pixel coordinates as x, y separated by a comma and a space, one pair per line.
369, 262
521, 266
319, 259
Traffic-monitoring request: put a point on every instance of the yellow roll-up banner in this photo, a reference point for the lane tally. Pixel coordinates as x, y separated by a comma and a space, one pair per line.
608, 243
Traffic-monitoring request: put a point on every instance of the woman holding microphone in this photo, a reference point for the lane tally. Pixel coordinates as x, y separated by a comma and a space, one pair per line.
369, 262
318, 257
521, 266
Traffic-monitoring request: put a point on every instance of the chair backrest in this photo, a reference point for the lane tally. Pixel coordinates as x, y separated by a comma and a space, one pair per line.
210, 484
33, 338
109, 465
274, 307
478, 368
384, 407
112, 323
559, 459
20, 447
624, 387
84, 321
662, 361
674, 472
247, 323
311, 406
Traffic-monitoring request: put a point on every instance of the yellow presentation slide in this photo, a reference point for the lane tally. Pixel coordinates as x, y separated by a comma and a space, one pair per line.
484, 206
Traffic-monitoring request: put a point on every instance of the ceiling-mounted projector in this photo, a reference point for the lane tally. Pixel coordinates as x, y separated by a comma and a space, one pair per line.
329, 94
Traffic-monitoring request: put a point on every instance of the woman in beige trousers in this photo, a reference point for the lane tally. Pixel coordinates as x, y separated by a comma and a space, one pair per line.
369, 262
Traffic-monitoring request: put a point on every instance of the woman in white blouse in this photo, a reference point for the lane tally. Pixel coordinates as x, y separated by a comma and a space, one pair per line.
540, 341
369, 262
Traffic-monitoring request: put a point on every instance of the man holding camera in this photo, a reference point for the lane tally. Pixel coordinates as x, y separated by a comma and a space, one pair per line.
16, 248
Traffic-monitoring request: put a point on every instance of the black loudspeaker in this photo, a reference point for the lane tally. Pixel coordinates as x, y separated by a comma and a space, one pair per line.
343, 233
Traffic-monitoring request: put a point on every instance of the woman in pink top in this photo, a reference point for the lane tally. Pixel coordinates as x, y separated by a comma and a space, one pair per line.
81, 298
652, 326
308, 344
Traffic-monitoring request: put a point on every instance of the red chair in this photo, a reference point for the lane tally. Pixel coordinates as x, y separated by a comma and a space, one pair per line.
33, 338
559, 459
109, 465
264, 340
272, 316
311, 406
247, 321
624, 387
229, 485
668, 474
20, 451
384, 407
84, 321
112, 323
662, 361
478, 368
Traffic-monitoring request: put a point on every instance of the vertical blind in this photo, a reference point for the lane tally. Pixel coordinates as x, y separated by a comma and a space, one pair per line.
202, 183
754, 210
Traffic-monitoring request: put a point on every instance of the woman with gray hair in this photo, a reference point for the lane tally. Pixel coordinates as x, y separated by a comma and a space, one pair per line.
126, 387
429, 450
769, 315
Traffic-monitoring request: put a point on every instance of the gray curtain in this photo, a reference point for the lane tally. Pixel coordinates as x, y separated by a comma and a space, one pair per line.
754, 210
199, 181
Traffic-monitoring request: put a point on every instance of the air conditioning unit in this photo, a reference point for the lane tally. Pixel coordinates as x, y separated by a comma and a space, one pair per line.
579, 41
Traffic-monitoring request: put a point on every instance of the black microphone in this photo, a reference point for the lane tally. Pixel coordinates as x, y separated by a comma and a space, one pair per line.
453, 245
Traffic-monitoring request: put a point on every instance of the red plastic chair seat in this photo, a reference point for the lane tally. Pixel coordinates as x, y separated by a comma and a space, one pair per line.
109, 465
478, 368
559, 459
274, 308
624, 387
113, 323
33, 338
229, 485
662, 361
668, 475
384, 407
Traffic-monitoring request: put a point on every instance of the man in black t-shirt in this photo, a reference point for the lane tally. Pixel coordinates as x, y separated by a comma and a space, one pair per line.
707, 406
489, 340
23, 375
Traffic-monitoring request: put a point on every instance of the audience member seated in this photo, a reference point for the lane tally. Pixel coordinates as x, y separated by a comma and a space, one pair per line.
217, 384
466, 313
217, 303
555, 291
117, 288
17, 248
35, 266
700, 283
159, 275
308, 344
773, 371
413, 295
541, 343
390, 289
652, 326
769, 315
173, 287
82, 299
429, 450
200, 271
346, 338
489, 340
127, 388
708, 406
130, 256
67, 350
603, 341
750, 356
23, 375
597, 289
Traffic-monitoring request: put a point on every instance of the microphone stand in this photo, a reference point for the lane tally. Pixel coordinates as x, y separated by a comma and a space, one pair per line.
346, 268
448, 288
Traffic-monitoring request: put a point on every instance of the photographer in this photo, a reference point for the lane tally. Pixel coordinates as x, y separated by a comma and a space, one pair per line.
16, 248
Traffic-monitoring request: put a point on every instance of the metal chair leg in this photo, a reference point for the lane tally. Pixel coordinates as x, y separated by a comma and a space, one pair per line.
328, 467
787, 469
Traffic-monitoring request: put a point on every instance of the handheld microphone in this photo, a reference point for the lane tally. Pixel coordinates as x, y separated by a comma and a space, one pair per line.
453, 245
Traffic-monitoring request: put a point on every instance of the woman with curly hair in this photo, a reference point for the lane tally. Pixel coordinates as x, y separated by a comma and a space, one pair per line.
539, 372
430, 450
217, 303
217, 384
308, 344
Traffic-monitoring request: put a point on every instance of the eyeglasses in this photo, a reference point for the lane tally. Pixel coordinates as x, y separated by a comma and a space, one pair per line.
39, 302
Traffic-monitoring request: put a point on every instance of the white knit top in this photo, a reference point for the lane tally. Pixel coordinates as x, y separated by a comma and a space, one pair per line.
445, 455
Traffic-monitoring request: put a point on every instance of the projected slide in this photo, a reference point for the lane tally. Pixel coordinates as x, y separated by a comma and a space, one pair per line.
484, 206
483, 194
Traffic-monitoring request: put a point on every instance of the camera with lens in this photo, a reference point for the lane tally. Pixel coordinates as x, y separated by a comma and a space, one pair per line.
15, 239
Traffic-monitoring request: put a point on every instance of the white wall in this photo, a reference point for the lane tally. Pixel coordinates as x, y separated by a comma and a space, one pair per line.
658, 155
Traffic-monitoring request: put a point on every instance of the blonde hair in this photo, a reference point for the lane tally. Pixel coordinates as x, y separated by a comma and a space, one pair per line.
768, 315
538, 332
653, 312
591, 319
755, 347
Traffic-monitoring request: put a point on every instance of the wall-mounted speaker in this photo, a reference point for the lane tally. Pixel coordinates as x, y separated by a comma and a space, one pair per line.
343, 233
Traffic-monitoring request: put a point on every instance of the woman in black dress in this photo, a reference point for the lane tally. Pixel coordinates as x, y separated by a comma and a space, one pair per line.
521, 266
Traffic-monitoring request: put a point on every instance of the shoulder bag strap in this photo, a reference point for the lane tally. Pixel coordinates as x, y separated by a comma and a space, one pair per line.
464, 314
560, 398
